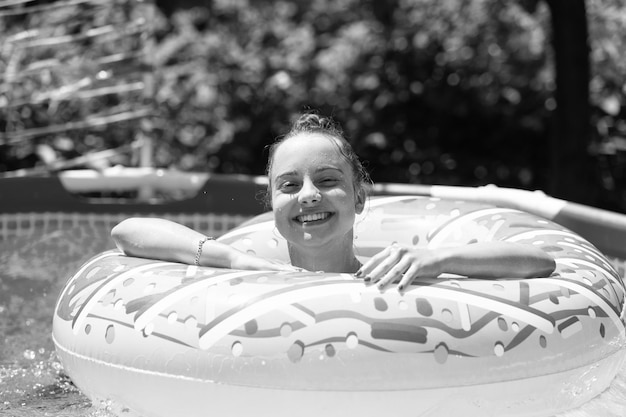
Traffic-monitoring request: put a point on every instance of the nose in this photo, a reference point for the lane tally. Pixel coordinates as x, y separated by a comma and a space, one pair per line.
309, 193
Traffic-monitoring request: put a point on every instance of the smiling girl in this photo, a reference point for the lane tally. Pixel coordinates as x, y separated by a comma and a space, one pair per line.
317, 186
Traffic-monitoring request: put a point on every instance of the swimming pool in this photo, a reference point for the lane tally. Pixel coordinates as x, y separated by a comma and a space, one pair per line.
38, 252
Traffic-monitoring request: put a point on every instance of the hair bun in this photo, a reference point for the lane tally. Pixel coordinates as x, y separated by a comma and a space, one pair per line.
312, 122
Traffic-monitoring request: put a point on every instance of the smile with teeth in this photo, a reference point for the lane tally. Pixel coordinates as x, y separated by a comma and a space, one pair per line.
305, 218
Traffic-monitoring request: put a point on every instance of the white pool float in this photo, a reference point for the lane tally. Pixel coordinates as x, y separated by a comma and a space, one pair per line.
167, 339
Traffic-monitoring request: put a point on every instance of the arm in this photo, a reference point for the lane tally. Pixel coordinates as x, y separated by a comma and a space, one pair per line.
170, 241
478, 260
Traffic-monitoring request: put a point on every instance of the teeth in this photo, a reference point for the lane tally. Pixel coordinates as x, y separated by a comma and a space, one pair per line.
312, 217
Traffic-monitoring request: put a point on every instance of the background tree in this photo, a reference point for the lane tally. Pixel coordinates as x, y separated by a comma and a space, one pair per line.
460, 93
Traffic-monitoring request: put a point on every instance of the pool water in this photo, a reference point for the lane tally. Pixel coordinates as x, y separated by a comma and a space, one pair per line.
32, 383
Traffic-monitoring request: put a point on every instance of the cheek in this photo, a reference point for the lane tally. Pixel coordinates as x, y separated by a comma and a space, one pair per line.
346, 197
280, 211
275, 200
279, 201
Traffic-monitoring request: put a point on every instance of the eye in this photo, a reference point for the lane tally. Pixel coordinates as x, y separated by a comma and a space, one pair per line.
329, 181
288, 186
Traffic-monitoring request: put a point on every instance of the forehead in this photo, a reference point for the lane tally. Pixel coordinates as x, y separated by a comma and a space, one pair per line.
308, 150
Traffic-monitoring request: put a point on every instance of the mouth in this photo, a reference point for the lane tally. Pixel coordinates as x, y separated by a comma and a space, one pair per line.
312, 218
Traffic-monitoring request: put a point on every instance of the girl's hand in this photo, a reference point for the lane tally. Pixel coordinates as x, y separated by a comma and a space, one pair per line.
486, 260
400, 264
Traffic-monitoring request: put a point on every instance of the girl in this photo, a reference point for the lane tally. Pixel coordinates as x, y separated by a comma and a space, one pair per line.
317, 186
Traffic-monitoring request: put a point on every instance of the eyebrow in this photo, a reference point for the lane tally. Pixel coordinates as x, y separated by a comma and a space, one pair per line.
317, 171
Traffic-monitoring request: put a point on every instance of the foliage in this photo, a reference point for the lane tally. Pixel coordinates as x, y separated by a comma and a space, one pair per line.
607, 27
426, 96
72, 78
445, 92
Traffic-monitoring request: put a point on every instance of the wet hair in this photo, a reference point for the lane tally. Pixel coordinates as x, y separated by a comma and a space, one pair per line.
314, 123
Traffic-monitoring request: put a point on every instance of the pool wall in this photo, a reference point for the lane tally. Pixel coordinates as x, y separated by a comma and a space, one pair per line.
43, 203
214, 204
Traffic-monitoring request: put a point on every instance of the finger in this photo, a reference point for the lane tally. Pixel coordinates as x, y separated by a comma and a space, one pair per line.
393, 258
395, 274
409, 276
372, 263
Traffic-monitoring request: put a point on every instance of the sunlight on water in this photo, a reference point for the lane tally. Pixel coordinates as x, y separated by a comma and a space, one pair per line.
34, 268
32, 382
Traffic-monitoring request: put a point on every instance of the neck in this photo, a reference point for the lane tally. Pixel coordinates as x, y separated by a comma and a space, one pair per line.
327, 258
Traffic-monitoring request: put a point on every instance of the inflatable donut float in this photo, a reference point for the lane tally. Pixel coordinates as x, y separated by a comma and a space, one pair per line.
167, 339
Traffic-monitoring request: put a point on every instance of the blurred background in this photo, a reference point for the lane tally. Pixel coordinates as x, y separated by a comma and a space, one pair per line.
520, 93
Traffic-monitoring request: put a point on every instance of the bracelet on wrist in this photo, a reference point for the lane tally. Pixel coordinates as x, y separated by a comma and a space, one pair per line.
201, 243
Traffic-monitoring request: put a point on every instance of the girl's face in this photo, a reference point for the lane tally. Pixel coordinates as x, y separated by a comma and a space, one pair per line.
313, 194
